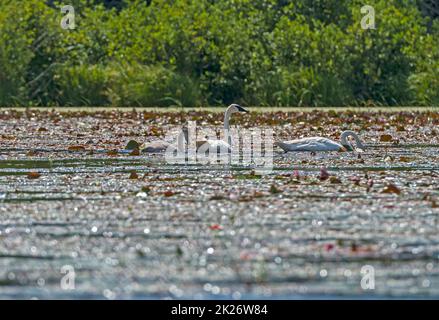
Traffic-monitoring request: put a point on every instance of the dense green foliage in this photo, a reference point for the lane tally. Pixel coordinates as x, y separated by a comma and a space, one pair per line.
199, 52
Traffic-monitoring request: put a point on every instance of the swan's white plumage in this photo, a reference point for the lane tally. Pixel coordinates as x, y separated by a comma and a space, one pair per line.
310, 144
217, 145
322, 144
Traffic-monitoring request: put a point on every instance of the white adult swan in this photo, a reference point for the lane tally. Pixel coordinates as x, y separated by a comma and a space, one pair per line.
211, 144
322, 144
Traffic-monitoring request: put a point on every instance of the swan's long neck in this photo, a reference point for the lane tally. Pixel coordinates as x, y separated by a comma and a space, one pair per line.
182, 140
227, 116
349, 133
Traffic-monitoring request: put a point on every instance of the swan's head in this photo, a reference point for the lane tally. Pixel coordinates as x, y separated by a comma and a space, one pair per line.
236, 108
348, 145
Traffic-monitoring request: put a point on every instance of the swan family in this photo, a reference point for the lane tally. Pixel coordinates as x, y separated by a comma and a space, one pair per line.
304, 144
202, 145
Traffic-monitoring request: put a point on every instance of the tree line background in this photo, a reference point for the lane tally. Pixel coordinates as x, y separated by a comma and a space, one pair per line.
208, 52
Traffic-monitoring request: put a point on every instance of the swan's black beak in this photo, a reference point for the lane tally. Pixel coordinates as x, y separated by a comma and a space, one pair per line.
241, 109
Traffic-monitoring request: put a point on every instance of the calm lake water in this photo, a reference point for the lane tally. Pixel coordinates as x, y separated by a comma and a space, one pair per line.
88, 223
180, 231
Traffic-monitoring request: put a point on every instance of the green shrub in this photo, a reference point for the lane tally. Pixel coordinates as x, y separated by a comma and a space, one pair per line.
27, 42
381, 59
424, 82
193, 52
83, 85
150, 86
